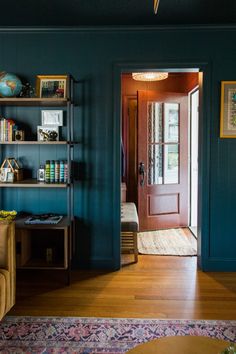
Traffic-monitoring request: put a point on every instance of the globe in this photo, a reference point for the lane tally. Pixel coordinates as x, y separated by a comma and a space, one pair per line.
10, 85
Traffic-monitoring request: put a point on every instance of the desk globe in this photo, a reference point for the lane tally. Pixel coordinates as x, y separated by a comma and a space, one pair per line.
10, 85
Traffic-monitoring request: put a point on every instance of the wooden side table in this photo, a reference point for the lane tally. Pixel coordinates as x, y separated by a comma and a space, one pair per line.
52, 249
181, 345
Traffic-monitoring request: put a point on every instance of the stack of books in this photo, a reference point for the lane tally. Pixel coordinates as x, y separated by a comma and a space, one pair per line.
6, 129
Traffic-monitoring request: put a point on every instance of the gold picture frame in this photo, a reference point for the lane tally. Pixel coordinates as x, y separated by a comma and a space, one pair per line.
52, 86
228, 109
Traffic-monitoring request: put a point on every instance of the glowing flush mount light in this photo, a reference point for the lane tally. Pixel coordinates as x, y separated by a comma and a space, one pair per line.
149, 76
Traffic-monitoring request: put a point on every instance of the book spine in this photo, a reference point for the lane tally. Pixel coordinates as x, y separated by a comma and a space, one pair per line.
10, 131
4, 130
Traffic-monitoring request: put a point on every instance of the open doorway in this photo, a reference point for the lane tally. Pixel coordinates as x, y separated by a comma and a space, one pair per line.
159, 144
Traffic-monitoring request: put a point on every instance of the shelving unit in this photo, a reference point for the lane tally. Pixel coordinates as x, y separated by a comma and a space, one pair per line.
30, 255
32, 183
56, 102
35, 143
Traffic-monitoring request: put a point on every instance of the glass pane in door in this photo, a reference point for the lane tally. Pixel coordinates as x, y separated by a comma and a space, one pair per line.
163, 156
171, 119
155, 122
171, 163
155, 164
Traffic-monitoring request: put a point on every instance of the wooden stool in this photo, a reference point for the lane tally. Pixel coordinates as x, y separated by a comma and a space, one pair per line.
129, 229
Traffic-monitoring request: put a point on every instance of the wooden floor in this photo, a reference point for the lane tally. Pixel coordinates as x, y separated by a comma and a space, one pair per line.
155, 287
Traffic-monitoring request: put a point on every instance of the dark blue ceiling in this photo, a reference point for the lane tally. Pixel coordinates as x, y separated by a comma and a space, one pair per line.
116, 12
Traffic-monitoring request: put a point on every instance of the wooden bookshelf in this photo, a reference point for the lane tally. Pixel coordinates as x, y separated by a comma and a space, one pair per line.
31, 238
32, 183
33, 101
26, 142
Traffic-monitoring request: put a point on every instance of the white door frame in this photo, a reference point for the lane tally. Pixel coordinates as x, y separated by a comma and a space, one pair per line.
193, 158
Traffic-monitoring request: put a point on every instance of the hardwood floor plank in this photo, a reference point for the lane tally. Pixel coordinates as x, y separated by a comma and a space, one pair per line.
155, 287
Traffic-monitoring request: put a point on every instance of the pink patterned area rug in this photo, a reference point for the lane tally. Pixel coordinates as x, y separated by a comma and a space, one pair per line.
67, 335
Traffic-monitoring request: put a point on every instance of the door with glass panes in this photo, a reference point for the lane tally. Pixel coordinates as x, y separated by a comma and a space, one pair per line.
162, 160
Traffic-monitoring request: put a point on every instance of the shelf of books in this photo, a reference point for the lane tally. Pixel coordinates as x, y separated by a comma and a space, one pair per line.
48, 119
6, 129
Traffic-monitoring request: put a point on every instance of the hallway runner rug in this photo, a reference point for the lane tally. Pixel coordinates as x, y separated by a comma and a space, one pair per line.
170, 242
87, 335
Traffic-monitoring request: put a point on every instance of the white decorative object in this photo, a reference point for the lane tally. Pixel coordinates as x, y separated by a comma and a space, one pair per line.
47, 133
52, 117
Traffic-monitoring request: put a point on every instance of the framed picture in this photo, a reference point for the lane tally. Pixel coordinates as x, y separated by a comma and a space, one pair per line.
3, 174
47, 133
10, 177
52, 86
228, 109
52, 117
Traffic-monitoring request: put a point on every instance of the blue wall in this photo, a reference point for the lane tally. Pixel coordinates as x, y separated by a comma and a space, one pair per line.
97, 57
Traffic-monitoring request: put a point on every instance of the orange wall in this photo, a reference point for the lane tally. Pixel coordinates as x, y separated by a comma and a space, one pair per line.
176, 82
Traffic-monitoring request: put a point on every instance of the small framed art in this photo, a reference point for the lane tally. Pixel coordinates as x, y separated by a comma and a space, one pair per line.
10, 177
228, 109
52, 86
3, 174
52, 117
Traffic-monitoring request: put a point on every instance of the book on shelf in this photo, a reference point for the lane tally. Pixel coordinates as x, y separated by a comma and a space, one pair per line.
44, 219
6, 129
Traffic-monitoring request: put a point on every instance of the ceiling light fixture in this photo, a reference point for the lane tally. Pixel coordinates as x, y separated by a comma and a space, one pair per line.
150, 76
155, 5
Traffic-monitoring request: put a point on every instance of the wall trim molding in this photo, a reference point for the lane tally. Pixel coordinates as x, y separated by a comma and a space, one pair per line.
145, 28
218, 264
97, 264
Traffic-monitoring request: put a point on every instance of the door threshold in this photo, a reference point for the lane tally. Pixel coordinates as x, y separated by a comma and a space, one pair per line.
193, 230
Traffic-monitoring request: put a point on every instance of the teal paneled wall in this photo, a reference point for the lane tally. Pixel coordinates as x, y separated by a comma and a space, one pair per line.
95, 57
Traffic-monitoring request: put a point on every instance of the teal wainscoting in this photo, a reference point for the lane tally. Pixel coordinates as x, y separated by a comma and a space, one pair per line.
97, 57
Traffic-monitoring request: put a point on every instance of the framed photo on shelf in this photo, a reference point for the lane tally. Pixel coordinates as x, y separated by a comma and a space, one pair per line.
52, 86
10, 177
52, 117
47, 133
228, 109
3, 174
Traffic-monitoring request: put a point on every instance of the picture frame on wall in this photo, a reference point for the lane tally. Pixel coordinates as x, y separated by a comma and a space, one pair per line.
228, 109
52, 86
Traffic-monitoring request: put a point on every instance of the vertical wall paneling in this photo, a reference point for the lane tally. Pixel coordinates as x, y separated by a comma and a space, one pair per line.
97, 57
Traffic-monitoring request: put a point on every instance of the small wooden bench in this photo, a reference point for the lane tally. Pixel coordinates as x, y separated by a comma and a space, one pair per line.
129, 229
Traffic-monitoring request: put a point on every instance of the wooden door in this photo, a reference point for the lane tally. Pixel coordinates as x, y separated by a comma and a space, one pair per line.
162, 160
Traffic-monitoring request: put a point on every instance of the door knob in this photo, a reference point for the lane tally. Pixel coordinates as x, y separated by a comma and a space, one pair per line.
141, 171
